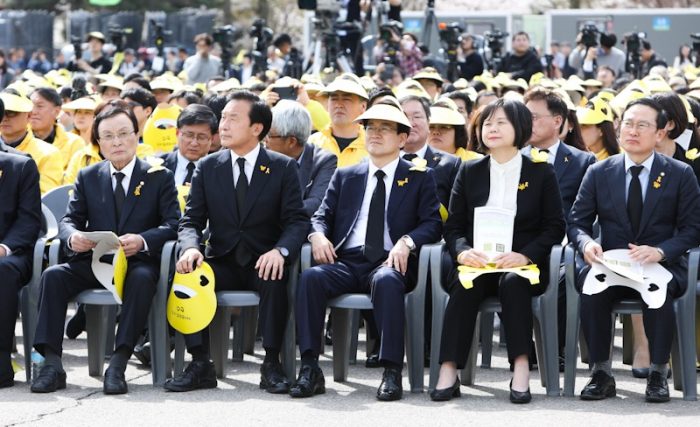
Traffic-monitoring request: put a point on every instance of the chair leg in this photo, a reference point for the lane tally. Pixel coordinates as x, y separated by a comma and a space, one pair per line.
549, 349
160, 347
289, 348
178, 364
342, 322
111, 331
572, 341
218, 338
354, 331
237, 341
28, 328
684, 364
438, 318
469, 370
97, 325
414, 337
627, 339
486, 330
251, 328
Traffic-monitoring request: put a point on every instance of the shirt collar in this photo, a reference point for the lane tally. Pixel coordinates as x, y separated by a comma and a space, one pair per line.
420, 153
511, 165
251, 157
646, 163
553, 149
389, 169
127, 170
183, 160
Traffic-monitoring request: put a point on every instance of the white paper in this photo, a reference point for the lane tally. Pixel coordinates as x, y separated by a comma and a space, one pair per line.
493, 231
107, 243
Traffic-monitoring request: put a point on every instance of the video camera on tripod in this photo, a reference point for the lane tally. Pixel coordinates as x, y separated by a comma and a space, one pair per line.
450, 37
225, 36
160, 35
117, 37
77, 43
589, 35
388, 33
696, 47
262, 37
494, 41
633, 44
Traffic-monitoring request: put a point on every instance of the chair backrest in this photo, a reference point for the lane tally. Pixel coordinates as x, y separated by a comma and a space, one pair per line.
49, 226
57, 200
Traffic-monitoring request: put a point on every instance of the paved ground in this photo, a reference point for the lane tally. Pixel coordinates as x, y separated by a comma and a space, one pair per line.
238, 400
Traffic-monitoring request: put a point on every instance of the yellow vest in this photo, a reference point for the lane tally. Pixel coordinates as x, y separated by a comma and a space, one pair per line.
353, 153
48, 159
89, 155
467, 155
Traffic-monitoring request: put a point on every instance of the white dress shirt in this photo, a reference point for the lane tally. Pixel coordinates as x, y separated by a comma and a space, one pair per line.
505, 178
250, 160
552, 156
358, 233
181, 168
643, 175
420, 153
127, 170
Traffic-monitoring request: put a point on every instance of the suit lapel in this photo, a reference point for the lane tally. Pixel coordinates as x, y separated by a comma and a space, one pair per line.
482, 187
654, 192
138, 176
354, 194
616, 185
399, 188
224, 176
307, 159
107, 192
261, 175
432, 158
562, 160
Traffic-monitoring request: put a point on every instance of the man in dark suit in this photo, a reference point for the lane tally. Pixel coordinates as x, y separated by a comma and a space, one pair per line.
365, 237
124, 196
647, 203
196, 126
20, 223
251, 199
291, 127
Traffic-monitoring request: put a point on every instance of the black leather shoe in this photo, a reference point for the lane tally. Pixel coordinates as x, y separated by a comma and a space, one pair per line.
114, 382
390, 387
272, 378
310, 382
640, 372
657, 388
372, 361
7, 380
445, 394
199, 374
599, 387
76, 324
519, 396
49, 380
143, 353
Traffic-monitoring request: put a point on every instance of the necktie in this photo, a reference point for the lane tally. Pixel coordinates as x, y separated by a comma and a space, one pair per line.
241, 252
634, 199
119, 195
190, 172
374, 239
410, 156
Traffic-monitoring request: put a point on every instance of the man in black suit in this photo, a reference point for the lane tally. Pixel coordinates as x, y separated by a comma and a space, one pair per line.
291, 127
647, 203
251, 200
372, 222
122, 195
196, 126
20, 222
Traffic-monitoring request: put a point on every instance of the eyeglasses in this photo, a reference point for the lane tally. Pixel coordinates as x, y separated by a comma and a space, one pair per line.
384, 130
440, 129
200, 137
120, 136
11, 114
640, 126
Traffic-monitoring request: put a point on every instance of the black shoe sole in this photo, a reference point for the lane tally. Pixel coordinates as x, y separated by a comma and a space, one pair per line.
143, 358
182, 389
59, 386
657, 399
318, 390
115, 391
390, 398
601, 397
275, 388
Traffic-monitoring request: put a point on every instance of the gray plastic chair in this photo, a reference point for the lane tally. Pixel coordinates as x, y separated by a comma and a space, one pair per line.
29, 294
544, 309
342, 309
683, 355
57, 200
244, 330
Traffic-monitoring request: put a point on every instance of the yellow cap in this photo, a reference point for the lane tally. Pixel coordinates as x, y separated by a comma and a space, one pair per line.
689, 111
428, 73
387, 109
411, 87
347, 83
227, 85
444, 112
84, 103
592, 83
595, 112
18, 103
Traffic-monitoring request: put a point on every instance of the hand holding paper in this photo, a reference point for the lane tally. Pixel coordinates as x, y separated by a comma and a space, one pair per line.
79, 243
112, 274
511, 260
473, 258
644, 254
132, 244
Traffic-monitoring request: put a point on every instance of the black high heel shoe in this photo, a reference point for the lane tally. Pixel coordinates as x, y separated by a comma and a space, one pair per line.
445, 394
519, 396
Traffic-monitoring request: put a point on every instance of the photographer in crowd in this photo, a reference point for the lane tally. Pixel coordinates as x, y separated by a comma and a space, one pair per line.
587, 58
471, 64
203, 65
98, 62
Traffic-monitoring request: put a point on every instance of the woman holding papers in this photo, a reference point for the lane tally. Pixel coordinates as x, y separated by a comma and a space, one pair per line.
504, 180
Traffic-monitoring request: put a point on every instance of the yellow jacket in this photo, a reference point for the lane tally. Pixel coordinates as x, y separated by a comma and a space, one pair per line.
353, 153
68, 143
48, 159
89, 155
602, 155
467, 155
320, 119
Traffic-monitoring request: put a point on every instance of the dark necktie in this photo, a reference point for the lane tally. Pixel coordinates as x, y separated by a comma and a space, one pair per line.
410, 156
634, 199
241, 252
190, 172
374, 239
119, 195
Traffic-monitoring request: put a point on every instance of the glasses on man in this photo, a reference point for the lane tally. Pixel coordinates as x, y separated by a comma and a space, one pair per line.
641, 126
200, 137
121, 136
383, 129
440, 128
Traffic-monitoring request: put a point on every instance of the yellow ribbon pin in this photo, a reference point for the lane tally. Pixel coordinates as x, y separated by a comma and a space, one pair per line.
137, 190
419, 164
265, 169
156, 164
402, 182
692, 154
538, 156
523, 185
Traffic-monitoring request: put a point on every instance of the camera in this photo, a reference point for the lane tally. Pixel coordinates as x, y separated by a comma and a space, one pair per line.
450, 34
388, 30
77, 47
589, 35
226, 35
117, 37
633, 41
160, 35
262, 37
294, 66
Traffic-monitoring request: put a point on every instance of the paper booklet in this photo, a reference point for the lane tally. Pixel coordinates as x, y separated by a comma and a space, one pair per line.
108, 262
493, 231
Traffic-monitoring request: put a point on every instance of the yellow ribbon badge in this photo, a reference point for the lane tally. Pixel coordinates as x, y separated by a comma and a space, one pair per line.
137, 190
523, 185
156, 164
419, 164
402, 182
657, 182
538, 156
265, 169
692, 154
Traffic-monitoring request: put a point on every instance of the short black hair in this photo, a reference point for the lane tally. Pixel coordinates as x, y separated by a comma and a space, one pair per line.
521, 33
661, 117
50, 95
260, 112
517, 114
378, 92
110, 109
646, 45
464, 98
675, 112
190, 97
555, 104
198, 114
282, 39
139, 80
141, 96
608, 39
422, 101
215, 102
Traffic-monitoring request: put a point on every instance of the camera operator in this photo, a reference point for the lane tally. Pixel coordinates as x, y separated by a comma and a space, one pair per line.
98, 62
202, 66
471, 64
408, 55
586, 61
523, 62
649, 59
282, 46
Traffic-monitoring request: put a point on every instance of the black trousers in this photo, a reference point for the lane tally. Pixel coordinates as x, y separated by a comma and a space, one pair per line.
14, 274
229, 276
515, 294
352, 273
61, 283
596, 321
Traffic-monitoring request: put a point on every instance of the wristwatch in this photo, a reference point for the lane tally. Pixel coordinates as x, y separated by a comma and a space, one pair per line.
663, 255
409, 242
283, 251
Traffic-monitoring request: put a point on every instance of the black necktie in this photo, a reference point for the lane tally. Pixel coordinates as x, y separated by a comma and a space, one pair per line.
410, 156
119, 195
241, 252
190, 172
634, 199
374, 239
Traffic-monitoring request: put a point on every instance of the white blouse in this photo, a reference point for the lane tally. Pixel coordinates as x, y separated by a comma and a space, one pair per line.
505, 178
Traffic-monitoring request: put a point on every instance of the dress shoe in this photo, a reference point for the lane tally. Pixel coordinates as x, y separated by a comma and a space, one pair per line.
199, 374
49, 380
390, 387
114, 382
310, 382
143, 353
644, 373
372, 361
519, 396
657, 388
445, 394
272, 378
76, 324
599, 387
